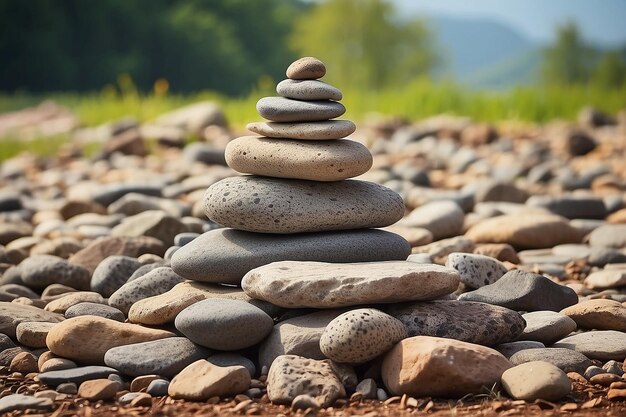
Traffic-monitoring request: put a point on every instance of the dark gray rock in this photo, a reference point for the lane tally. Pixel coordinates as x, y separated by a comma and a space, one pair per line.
572, 207
112, 273
182, 239
226, 255
478, 323
565, 359
75, 375
602, 256
524, 291
110, 193
165, 357
5, 342
9, 292
158, 388
204, 153
94, 309
39, 271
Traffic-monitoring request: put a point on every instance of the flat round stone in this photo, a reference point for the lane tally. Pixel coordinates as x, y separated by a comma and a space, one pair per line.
270, 205
307, 160
280, 109
308, 90
226, 255
306, 68
323, 130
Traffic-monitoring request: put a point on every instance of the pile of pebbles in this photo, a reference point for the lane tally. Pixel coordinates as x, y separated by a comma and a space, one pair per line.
307, 286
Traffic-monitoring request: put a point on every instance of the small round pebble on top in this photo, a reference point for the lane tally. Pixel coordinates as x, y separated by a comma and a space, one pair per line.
307, 68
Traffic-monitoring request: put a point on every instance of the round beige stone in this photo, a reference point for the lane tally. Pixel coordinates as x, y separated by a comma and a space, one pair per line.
271, 205
598, 314
306, 68
307, 160
324, 130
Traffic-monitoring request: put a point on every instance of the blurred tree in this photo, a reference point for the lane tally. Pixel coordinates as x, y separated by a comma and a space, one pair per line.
569, 60
611, 70
365, 43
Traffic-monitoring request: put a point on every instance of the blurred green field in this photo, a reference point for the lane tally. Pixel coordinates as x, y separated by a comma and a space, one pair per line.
415, 101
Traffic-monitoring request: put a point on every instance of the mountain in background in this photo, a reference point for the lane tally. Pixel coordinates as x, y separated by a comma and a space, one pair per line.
484, 53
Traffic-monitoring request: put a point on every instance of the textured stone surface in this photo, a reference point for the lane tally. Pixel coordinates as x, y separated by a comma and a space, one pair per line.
297, 336
166, 357
524, 291
565, 359
308, 90
324, 130
112, 273
598, 314
536, 380
472, 322
307, 160
60, 305
292, 375
358, 336
33, 334
226, 255
525, 231
597, 344
155, 282
75, 375
280, 109
98, 389
12, 314
87, 338
42, 270
94, 309
476, 271
606, 278
234, 324
202, 380
324, 285
151, 223
306, 68
547, 326
430, 366
271, 205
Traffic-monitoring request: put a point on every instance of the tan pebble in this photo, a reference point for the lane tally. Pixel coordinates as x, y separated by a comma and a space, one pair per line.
98, 389
605, 379
306, 68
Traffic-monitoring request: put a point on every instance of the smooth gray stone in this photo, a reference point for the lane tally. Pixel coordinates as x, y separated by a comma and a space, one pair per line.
280, 109
613, 367
597, 344
39, 271
324, 130
609, 236
112, 273
226, 255
233, 324
170, 252
443, 219
10, 200
572, 207
204, 153
155, 282
158, 388
547, 327
165, 357
75, 375
182, 239
233, 359
144, 269
603, 256
24, 402
593, 371
12, 314
308, 90
565, 359
95, 309
478, 323
108, 194
524, 291
9, 292
511, 348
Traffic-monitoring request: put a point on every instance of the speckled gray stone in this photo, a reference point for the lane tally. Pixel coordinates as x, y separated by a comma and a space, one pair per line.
165, 357
308, 90
295, 284
307, 160
280, 109
233, 324
475, 270
39, 271
226, 255
322, 130
566, 359
144, 269
547, 327
361, 335
271, 205
112, 273
155, 282
306, 68
597, 344
94, 309
478, 323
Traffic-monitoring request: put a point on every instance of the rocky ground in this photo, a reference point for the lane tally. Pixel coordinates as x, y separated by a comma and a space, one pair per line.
466, 270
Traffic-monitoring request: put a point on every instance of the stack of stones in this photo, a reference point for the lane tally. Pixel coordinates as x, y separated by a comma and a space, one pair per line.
298, 203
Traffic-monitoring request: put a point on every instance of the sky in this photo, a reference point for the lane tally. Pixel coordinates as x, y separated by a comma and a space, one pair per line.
601, 21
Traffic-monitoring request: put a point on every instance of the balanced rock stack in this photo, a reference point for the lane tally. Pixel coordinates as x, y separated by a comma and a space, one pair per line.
299, 203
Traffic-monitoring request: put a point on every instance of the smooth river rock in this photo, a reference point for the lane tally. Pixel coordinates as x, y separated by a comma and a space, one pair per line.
39, 271
280, 109
308, 90
597, 344
12, 314
306, 68
536, 380
323, 130
600, 314
226, 255
307, 160
472, 322
272, 205
547, 326
325, 285
202, 380
566, 359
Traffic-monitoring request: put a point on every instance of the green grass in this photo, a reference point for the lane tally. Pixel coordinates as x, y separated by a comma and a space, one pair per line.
415, 101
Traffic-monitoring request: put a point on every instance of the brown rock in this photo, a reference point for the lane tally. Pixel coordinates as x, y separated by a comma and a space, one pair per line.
202, 380
501, 251
87, 338
605, 379
63, 303
96, 251
307, 68
98, 389
24, 362
601, 314
430, 366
